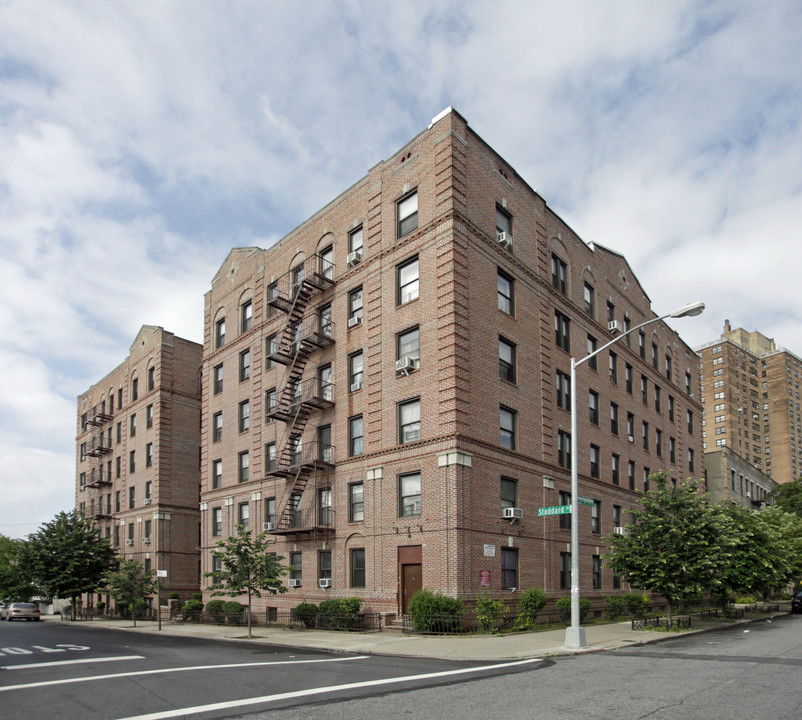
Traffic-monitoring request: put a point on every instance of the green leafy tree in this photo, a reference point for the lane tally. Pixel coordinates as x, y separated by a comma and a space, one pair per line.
676, 545
788, 497
247, 568
66, 557
131, 584
14, 584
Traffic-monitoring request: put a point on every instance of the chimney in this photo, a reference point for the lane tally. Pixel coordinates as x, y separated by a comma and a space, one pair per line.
727, 327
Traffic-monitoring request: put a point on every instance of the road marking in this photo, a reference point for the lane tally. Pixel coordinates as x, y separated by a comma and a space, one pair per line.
72, 662
180, 712
69, 681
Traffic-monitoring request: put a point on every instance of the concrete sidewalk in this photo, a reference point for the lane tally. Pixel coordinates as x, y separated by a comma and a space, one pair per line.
516, 646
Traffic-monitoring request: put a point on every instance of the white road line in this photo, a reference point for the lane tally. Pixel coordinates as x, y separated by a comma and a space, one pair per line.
72, 662
69, 681
180, 712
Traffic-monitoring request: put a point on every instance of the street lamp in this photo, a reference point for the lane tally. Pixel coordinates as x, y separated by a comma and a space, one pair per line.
575, 633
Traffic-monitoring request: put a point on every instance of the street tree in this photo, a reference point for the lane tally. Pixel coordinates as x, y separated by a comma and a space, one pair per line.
14, 585
247, 567
674, 546
788, 496
130, 585
66, 557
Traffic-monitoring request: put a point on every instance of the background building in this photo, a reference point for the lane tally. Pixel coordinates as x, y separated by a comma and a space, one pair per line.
730, 477
137, 456
385, 390
750, 393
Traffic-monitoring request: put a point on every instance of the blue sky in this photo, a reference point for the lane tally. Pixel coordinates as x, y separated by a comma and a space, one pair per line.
141, 140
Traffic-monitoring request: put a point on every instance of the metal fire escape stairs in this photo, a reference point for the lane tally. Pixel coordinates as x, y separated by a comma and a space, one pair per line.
98, 448
301, 334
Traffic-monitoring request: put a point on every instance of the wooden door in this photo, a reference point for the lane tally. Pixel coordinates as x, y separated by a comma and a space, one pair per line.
411, 582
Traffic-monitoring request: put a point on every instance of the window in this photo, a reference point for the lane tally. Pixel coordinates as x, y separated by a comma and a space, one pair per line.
592, 364
407, 213
355, 307
690, 421
506, 296
149, 455
217, 474
324, 443
687, 383
613, 368
645, 432
357, 567
590, 300
671, 408
355, 430
563, 391
595, 517
654, 356
597, 572
409, 421
244, 415
217, 379
644, 390
594, 461
503, 222
408, 281
217, 568
672, 449
272, 294
657, 401
646, 473
220, 333
270, 456
148, 419
690, 460
509, 568
270, 404
271, 348
356, 502
327, 262
324, 319
507, 420
134, 389
658, 442
558, 274
325, 387
355, 375
324, 564
593, 406
408, 344
244, 365
243, 466
668, 367
246, 316
631, 474
324, 515
243, 514
565, 570
131, 498
610, 311
151, 378
563, 449
409, 494
509, 493
132, 461
296, 567
118, 466
217, 427
616, 469
355, 240
270, 511
506, 360
562, 333
614, 418
628, 378
642, 344
132, 430
630, 427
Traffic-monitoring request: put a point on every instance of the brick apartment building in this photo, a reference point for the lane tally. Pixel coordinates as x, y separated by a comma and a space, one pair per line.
385, 390
138, 436
750, 393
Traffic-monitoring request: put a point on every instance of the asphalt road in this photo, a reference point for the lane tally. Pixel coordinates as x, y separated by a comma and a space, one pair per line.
55, 670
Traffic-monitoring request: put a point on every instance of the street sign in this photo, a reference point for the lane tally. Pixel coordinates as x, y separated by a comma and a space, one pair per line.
161, 573
556, 510
584, 501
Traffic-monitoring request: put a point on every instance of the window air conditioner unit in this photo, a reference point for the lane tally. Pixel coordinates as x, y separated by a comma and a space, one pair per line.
146, 501
294, 583
615, 327
267, 526
324, 582
354, 321
619, 531
749, 495
354, 258
146, 541
356, 386
504, 239
129, 541
512, 513
405, 365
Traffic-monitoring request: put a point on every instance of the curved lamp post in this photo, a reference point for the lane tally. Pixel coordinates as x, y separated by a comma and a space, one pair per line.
575, 633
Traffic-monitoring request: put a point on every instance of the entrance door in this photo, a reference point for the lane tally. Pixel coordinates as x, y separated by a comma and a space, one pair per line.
411, 582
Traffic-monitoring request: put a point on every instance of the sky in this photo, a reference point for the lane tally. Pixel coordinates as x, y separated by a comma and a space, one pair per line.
141, 140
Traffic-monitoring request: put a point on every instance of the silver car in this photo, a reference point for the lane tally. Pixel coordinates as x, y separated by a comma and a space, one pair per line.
20, 611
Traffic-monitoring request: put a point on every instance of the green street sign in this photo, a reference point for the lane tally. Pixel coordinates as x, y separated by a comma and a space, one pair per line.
584, 501
556, 510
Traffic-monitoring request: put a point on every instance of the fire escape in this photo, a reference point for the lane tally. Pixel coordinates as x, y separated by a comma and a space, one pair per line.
98, 448
302, 333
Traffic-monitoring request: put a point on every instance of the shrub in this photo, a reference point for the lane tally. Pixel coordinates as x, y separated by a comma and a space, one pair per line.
613, 606
197, 596
174, 595
533, 600
488, 611
745, 599
233, 612
215, 609
306, 613
340, 613
435, 612
564, 609
101, 606
636, 603
192, 609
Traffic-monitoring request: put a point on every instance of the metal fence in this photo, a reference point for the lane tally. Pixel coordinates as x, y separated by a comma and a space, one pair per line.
360, 622
661, 623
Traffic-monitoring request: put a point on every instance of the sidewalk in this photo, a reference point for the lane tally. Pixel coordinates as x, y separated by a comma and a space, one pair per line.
517, 646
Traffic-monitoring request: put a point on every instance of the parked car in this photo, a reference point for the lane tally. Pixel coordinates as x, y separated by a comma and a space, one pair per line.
796, 604
20, 611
